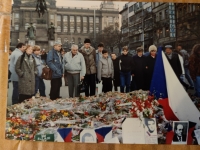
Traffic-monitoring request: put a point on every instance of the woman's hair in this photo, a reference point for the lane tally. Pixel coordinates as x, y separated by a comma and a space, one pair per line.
196, 49
36, 47
125, 48
27, 46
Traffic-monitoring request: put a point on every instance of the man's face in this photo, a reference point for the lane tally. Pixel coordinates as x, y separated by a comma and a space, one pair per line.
179, 130
168, 51
151, 126
179, 48
100, 49
23, 48
125, 52
113, 56
57, 47
140, 54
105, 55
74, 51
87, 45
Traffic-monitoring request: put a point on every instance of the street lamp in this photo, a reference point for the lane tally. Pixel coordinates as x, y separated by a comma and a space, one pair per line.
94, 30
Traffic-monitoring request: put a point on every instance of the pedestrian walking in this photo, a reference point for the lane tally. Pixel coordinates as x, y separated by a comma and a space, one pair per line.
194, 68
116, 78
150, 63
20, 48
126, 66
139, 69
89, 55
54, 61
105, 71
39, 82
74, 66
26, 70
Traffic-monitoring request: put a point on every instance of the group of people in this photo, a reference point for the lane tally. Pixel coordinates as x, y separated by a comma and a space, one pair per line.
93, 66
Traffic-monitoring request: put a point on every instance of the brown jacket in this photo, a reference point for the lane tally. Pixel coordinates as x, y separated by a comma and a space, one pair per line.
90, 59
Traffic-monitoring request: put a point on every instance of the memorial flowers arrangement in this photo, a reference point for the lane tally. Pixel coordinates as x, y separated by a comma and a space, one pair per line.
33, 116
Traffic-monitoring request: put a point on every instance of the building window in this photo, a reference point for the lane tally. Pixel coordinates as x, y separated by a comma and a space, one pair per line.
91, 29
16, 27
65, 40
65, 19
26, 26
59, 40
160, 16
52, 17
97, 29
180, 12
84, 29
166, 14
97, 19
91, 19
167, 33
160, 33
71, 18
149, 9
72, 29
58, 17
16, 15
78, 19
58, 29
78, 29
130, 8
65, 29
84, 19
110, 19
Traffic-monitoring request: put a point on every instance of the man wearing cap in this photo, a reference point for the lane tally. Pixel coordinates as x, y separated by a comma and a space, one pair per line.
54, 61
150, 63
89, 55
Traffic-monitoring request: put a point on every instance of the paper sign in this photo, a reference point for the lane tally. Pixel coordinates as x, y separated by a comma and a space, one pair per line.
114, 140
88, 136
197, 134
150, 131
133, 131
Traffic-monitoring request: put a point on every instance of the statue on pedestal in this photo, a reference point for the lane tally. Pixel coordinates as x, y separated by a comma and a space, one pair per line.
51, 32
31, 32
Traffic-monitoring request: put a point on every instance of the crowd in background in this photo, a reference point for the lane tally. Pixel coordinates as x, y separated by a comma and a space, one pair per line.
91, 67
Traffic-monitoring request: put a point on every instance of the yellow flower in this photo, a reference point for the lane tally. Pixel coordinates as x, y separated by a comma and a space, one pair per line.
66, 114
44, 117
16, 131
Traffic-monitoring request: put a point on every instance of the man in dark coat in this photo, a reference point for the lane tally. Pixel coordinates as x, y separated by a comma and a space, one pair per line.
150, 63
139, 70
116, 79
179, 136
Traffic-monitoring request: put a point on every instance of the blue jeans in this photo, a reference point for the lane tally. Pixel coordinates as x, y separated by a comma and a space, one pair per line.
188, 77
39, 84
197, 86
15, 94
125, 80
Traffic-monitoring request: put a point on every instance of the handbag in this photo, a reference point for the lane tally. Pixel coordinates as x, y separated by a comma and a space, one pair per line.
82, 87
46, 73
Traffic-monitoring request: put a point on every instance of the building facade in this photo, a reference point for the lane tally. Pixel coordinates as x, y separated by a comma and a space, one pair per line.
137, 28
188, 24
164, 23
72, 25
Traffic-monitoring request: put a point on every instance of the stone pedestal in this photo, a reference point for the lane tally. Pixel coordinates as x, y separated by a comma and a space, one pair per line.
31, 42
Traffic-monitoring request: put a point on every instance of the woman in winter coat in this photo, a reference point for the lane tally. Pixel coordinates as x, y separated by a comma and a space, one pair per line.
39, 82
194, 67
26, 70
150, 63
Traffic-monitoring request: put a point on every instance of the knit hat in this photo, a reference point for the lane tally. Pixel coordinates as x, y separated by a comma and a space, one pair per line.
152, 47
57, 43
168, 46
87, 41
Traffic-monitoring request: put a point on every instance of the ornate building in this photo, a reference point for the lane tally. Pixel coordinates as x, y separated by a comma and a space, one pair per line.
72, 25
188, 24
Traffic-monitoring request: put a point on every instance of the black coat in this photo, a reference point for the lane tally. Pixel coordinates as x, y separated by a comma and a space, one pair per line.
139, 71
175, 138
175, 64
150, 63
116, 72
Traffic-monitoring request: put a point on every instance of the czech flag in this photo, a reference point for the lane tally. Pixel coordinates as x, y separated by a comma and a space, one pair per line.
102, 133
165, 85
66, 134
